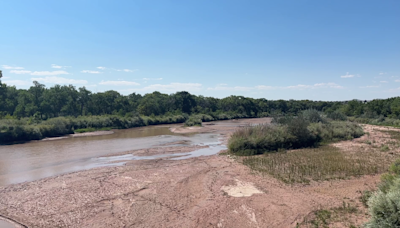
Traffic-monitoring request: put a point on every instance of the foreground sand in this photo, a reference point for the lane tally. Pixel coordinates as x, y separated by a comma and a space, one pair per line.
213, 191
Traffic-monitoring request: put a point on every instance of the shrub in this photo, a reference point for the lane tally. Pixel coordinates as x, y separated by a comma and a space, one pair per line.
193, 121
260, 139
336, 115
313, 116
384, 208
289, 133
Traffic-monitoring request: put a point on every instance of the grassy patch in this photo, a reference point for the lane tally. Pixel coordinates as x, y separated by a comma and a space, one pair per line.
393, 134
91, 129
318, 164
385, 148
325, 217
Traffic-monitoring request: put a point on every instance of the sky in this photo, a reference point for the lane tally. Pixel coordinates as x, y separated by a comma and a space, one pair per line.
287, 49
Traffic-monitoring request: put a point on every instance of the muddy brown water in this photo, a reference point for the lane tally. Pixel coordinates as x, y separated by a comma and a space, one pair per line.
38, 159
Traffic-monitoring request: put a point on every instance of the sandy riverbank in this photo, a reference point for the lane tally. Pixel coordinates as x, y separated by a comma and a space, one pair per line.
212, 191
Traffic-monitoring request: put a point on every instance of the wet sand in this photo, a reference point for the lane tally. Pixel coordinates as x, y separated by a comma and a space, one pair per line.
206, 191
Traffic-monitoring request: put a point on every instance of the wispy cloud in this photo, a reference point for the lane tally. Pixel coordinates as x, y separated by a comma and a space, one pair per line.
265, 87
173, 87
58, 66
127, 70
59, 80
349, 75
397, 80
49, 73
12, 67
370, 86
91, 72
316, 86
20, 71
119, 83
383, 81
17, 82
101, 68
152, 79
231, 88
39, 73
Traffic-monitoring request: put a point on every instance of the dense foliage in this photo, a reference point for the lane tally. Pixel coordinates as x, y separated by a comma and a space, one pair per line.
67, 100
308, 129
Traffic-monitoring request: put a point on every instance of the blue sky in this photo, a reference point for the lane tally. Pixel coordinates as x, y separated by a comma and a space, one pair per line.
299, 49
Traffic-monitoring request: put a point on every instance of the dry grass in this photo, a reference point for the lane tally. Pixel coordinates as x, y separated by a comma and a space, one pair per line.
371, 154
317, 164
325, 218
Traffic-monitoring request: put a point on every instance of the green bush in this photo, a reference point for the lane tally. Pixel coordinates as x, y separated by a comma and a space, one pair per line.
289, 133
336, 131
336, 115
384, 207
193, 121
259, 139
313, 116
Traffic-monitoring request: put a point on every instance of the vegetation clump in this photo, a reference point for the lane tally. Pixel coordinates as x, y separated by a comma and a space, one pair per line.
384, 205
193, 121
306, 130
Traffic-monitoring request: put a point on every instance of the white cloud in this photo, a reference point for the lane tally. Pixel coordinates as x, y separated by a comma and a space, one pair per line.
11, 67
59, 80
101, 68
316, 86
349, 75
370, 86
383, 81
49, 73
173, 87
393, 90
91, 72
127, 70
56, 66
118, 83
39, 73
152, 79
263, 87
20, 71
17, 82
397, 80
232, 88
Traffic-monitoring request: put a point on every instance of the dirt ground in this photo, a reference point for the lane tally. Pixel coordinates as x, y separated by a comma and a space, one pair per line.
213, 191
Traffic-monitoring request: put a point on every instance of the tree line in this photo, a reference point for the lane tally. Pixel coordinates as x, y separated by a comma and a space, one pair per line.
67, 100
